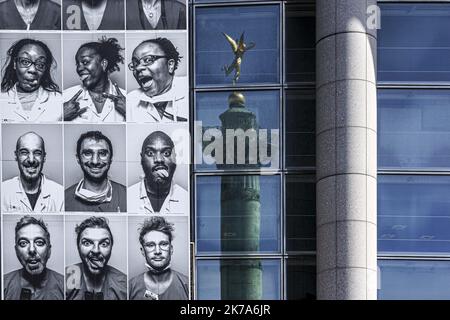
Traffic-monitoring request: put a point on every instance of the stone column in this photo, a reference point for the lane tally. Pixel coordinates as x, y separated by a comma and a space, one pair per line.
346, 141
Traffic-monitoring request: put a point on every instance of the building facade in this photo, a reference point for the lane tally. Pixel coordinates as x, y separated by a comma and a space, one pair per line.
377, 225
317, 165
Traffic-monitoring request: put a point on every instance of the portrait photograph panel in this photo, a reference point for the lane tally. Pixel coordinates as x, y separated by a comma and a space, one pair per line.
30, 15
32, 170
157, 81
156, 15
31, 77
95, 167
33, 253
94, 77
158, 168
96, 251
158, 247
89, 15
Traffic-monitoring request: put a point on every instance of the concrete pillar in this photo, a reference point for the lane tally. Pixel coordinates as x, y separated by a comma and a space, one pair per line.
346, 141
240, 210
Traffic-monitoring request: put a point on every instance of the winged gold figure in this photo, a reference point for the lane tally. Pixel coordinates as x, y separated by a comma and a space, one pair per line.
239, 48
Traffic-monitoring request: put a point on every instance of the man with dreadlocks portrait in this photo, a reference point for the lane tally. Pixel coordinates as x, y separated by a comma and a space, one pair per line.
28, 92
97, 98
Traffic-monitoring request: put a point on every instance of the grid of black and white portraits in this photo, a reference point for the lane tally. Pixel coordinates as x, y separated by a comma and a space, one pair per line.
95, 150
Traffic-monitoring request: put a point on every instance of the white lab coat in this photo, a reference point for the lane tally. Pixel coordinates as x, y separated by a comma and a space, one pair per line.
140, 107
14, 198
177, 201
108, 114
46, 108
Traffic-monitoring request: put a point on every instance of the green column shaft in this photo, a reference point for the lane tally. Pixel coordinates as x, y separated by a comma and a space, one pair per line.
240, 215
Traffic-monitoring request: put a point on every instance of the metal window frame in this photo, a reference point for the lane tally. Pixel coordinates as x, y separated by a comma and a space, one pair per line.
412, 84
286, 168
237, 4
282, 86
280, 123
242, 254
296, 257
419, 85
278, 258
294, 253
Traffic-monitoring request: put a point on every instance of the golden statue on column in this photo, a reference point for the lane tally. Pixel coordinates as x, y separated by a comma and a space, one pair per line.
239, 48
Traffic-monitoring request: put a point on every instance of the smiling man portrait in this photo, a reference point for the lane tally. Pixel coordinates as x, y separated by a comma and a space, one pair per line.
31, 190
95, 191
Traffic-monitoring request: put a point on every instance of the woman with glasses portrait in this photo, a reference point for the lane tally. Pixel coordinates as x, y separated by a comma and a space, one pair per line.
28, 92
162, 95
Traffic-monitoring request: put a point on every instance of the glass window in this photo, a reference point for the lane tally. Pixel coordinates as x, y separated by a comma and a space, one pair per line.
413, 280
413, 43
414, 129
300, 128
300, 43
260, 64
414, 214
238, 213
301, 278
264, 106
300, 213
250, 279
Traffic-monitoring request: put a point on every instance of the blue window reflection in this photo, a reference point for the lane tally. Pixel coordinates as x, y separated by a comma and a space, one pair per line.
265, 105
244, 217
413, 280
261, 24
414, 129
413, 43
250, 279
414, 214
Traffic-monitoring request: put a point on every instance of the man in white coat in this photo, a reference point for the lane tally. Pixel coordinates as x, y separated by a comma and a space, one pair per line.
156, 192
31, 190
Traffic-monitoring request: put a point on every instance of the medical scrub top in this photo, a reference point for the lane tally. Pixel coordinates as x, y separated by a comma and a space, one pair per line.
48, 16
113, 17
50, 288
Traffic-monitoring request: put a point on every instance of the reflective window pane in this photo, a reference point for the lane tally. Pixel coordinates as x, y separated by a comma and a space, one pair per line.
300, 128
413, 280
414, 214
250, 279
301, 278
238, 214
414, 129
300, 213
262, 108
260, 64
300, 43
413, 43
